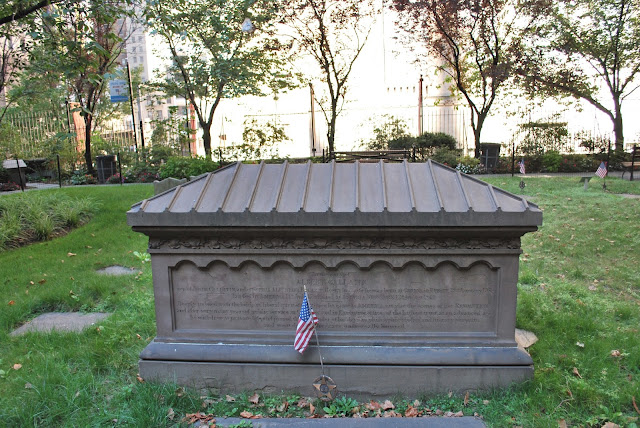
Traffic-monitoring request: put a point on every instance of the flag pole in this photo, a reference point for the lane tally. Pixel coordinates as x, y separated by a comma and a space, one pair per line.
315, 330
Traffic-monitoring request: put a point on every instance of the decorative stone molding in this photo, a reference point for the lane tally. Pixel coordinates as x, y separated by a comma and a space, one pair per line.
340, 244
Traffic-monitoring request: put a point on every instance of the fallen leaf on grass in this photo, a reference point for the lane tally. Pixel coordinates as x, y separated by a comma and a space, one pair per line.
248, 415
71, 254
373, 405
312, 408
140, 379
562, 423
635, 406
171, 414
610, 425
615, 353
192, 418
302, 403
576, 372
283, 407
580, 344
230, 399
17, 366
42, 281
28, 386
569, 393
254, 398
411, 412
12, 302
391, 414
388, 405
179, 391
466, 399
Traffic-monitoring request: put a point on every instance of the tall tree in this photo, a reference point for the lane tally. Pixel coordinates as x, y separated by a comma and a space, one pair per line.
219, 49
473, 41
16, 10
82, 41
333, 33
14, 50
587, 49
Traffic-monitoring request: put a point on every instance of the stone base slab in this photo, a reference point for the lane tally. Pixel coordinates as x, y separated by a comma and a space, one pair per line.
357, 381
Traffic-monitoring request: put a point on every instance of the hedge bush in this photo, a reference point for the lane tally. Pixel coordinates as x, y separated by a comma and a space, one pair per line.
185, 167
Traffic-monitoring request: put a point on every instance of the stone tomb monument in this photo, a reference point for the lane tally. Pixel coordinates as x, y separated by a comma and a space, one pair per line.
410, 267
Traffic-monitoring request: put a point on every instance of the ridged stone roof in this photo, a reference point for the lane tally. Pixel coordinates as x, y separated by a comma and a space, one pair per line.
333, 195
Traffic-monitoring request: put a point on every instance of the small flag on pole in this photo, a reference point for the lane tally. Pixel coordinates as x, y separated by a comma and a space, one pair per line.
602, 170
306, 325
521, 163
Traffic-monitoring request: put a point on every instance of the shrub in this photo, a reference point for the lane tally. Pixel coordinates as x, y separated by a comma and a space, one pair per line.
469, 165
115, 179
81, 177
446, 156
9, 187
436, 139
141, 173
551, 161
185, 167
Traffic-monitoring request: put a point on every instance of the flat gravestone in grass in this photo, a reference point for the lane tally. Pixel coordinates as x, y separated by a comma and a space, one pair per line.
60, 321
116, 270
70, 321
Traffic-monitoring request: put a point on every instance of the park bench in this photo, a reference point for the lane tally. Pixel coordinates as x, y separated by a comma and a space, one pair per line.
634, 164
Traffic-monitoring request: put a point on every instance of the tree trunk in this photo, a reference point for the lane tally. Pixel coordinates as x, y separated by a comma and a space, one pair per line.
331, 132
617, 127
206, 138
87, 144
477, 130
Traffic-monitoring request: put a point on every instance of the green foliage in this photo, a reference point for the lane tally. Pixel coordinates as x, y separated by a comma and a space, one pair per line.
446, 156
37, 217
469, 165
341, 406
142, 173
551, 161
436, 139
185, 167
171, 133
213, 58
388, 131
81, 177
260, 141
10, 141
542, 136
575, 48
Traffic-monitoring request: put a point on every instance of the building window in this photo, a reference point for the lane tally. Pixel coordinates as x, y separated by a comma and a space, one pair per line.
135, 59
141, 60
133, 49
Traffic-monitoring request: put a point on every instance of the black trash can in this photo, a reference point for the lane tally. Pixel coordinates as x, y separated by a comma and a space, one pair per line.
489, 154
106, 167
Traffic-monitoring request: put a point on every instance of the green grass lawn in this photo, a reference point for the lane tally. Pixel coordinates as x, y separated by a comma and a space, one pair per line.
579, 292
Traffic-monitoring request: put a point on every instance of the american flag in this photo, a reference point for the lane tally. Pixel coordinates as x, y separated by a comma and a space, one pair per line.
521, 163
602, 170
306, 325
